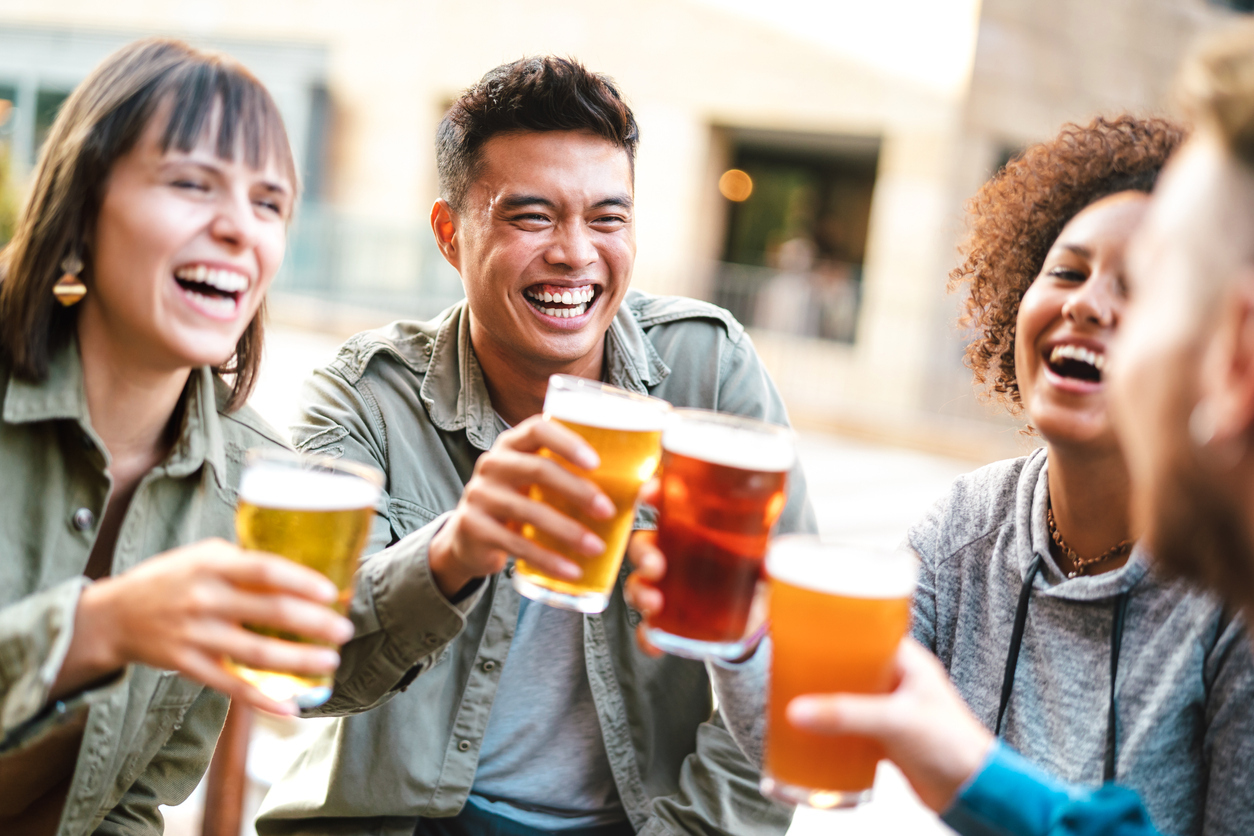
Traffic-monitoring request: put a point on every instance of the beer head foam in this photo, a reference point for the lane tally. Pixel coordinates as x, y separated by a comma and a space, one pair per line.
848, 571
729, 444
593, 407
274, 485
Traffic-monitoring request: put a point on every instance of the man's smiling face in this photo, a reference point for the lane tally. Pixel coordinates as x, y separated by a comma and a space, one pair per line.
545, 243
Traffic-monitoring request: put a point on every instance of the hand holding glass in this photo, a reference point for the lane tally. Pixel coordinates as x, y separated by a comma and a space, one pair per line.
316, 512
625, 431
838, 615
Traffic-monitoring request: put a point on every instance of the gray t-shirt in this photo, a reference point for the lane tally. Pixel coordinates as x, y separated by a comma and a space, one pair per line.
543, 761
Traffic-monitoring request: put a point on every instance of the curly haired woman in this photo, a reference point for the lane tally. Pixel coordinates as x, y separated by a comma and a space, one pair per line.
1051, 622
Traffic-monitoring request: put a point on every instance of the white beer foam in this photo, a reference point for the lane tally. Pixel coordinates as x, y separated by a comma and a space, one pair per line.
291, 488
594, 409
730, 446
848, 571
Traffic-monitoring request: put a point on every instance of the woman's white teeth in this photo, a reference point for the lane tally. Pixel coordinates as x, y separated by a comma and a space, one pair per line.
219, 305
227, 281
1078, 353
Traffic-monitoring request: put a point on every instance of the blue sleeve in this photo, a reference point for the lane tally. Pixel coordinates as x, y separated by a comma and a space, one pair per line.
1011, 797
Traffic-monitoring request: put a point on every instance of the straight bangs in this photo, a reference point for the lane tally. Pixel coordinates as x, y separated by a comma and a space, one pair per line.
202, 94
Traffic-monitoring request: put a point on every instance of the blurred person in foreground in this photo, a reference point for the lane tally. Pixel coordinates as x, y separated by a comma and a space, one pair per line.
1031, 592
159, 213
1182, 385
503, 715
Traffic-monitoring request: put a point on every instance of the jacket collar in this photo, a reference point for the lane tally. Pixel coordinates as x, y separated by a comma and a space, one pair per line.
456, 395
1032, 538
60, 396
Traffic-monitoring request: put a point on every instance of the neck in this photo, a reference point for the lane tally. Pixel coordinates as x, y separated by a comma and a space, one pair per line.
1089, 493
517, 386
130, 402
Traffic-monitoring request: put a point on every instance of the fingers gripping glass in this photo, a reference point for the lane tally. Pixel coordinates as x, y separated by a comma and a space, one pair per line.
316, 512
625, 429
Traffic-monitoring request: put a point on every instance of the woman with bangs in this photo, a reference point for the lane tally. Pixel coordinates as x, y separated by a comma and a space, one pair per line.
1049, 620
131, 301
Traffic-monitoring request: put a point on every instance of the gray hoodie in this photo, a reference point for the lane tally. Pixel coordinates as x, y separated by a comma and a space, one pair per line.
1184, 696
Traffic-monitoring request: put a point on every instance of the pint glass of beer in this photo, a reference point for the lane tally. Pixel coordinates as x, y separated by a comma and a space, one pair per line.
317, 512
625, 429
724, 484
838, 615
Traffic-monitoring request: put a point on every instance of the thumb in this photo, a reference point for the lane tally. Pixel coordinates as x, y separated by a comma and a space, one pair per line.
836, 714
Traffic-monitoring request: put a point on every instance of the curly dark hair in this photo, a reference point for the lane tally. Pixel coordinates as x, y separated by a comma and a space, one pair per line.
1016, 216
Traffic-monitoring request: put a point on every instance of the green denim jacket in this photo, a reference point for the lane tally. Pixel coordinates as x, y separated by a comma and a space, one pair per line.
149, 733
411, 400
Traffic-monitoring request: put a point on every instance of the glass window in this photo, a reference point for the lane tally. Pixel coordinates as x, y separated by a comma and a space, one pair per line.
796, 234
47, 105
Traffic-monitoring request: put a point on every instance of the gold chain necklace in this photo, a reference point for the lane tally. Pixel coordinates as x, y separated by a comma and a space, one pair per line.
1080, 565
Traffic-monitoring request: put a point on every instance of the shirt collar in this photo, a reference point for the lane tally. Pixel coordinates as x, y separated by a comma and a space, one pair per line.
456, 395
60, 396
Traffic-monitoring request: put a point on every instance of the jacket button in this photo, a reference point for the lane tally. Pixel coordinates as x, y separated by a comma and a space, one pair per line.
83, 519
509, 570
464, 746
489, 666
432, 639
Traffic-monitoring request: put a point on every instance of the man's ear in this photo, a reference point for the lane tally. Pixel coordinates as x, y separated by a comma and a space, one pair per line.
444, 223
1233, 355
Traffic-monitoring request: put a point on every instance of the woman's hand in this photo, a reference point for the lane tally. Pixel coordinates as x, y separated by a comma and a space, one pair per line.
923, 725
485, 529
185, 610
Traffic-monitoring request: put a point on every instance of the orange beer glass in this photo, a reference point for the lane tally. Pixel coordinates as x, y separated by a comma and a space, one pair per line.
724, 485
838, 614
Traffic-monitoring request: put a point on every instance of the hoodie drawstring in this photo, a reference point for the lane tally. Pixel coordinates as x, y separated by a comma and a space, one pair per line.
1012, 661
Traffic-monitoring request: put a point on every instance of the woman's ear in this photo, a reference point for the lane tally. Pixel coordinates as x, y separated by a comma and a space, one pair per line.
1227, 382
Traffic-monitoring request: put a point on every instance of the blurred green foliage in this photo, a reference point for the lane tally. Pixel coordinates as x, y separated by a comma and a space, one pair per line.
8, 198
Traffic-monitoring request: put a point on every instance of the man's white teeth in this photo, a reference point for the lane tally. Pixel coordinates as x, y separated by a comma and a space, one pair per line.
1078, 353
227, 281
565, 313
574, 296
219, 305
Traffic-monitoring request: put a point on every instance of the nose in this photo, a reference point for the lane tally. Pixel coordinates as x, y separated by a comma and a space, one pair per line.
234, 222
1098, 302
572, 246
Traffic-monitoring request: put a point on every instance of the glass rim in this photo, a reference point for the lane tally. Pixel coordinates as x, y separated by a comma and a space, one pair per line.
886, 573
697, 415
313, 461
572, 382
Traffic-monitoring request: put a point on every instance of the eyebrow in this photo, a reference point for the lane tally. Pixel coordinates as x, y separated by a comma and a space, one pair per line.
1078, 249
517, 201
272, 186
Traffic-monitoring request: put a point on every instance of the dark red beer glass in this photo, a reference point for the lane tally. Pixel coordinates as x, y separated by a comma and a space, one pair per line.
724, 484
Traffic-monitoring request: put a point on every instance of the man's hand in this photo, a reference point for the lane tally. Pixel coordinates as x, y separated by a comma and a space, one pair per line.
185, 610
923, 725
485, 529
649, 567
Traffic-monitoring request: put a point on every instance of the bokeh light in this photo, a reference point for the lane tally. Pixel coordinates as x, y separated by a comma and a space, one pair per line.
735, 185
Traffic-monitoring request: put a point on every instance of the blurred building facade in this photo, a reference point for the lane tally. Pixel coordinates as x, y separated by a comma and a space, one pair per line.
816, 194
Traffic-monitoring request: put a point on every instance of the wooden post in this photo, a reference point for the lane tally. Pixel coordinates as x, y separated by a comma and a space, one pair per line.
228, 778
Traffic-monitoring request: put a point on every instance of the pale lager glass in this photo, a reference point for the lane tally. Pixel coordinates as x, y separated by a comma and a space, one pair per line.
838, 615
724, 485
625, 429
314, 511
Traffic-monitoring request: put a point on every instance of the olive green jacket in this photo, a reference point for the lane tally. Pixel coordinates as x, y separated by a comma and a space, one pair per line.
411, 400
149, 733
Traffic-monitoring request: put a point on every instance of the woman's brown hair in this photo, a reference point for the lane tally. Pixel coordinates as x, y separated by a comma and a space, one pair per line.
100, 122
1016, 216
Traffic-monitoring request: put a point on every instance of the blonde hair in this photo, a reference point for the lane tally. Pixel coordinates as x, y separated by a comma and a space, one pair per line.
1216, 89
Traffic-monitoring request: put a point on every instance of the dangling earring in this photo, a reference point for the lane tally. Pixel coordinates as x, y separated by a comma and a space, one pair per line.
70, 289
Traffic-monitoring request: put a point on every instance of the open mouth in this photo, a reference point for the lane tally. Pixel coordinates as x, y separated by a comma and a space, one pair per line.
562, 302
1077, 363
217, 292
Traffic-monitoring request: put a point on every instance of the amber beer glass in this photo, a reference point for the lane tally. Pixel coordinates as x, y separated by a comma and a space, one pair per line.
625, 429
837, 615
317, 512
724, 484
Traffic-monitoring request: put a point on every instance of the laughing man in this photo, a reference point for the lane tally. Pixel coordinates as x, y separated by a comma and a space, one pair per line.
496, 714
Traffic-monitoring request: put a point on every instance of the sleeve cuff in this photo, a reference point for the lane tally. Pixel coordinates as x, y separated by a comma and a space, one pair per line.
1008, 796
35, 635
